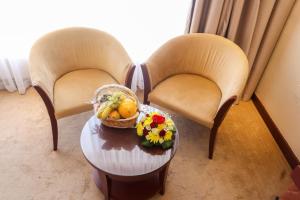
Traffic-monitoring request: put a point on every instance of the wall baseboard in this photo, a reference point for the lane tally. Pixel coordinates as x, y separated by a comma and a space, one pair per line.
281, 142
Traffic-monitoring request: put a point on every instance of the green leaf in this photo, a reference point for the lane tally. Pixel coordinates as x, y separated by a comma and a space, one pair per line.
146, 143
167, 144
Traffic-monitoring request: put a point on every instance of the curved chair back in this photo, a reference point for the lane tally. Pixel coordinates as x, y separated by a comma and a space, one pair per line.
211, 56
65, 50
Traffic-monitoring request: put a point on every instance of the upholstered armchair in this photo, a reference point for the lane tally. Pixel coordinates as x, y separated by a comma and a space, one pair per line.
198, 76
68, 65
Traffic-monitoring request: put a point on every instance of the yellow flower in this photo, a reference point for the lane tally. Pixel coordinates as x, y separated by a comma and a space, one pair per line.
147, 121
161, 126
139, 129
155, 131
161, 140
168, 136
152, 137
169, 122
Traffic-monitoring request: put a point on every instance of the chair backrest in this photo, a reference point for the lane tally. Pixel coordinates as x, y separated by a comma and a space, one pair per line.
65, 50
211, 56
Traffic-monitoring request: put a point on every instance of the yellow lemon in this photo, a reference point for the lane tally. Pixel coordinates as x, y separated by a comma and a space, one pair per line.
114, 115
127, 108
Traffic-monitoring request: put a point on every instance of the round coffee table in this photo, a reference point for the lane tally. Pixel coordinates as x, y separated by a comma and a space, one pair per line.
123, 169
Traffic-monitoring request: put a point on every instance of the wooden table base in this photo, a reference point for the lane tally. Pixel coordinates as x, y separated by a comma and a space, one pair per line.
112, 153
131, 189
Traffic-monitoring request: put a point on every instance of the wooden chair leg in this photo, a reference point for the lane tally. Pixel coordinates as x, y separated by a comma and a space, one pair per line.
51, 113
129, 76
217, 122
212, 139
54, 130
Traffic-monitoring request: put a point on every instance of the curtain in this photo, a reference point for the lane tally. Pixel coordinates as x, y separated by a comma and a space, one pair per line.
254, 25
137, 79
14, 75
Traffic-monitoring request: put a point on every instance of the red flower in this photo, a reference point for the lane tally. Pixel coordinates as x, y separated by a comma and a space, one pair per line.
162, 133
153, 125
145, 132
158, 119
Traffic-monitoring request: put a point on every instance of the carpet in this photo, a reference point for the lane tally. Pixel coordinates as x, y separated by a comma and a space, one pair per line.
247, 163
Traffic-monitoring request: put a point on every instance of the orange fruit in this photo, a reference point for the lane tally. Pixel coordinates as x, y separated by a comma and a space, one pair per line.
127, 108
114, 115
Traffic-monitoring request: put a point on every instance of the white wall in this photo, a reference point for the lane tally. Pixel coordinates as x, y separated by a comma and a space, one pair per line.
279, 89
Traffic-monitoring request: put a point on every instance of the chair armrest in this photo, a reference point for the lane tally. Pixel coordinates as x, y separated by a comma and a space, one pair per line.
147, 83
129, 76
222, 111
43, 79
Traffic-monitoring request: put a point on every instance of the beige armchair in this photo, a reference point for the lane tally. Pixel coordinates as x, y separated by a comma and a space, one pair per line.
198, 76
68, 65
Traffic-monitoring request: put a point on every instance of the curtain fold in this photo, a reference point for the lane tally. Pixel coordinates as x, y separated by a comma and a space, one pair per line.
14, 75
137, 78
254, 25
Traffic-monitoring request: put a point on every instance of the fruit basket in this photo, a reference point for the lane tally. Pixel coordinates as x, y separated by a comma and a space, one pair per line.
116, 106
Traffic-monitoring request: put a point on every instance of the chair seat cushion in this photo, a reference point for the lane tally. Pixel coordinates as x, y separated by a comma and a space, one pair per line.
193, 96
74, 90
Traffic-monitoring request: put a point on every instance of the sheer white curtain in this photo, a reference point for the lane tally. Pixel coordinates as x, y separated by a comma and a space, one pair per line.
140, 25
14, 74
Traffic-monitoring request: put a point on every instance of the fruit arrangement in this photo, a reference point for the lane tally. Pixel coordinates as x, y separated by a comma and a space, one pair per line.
116, 106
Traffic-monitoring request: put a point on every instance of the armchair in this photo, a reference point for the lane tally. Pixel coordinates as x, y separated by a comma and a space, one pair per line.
198, 76
68, 65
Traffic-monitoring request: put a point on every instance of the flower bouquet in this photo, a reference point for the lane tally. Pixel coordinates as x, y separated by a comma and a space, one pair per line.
156, 129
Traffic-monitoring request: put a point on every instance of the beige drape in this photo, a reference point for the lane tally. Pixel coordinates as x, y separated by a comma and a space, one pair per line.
255, 25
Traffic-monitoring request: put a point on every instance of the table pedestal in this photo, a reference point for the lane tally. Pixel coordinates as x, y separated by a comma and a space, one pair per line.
131, 188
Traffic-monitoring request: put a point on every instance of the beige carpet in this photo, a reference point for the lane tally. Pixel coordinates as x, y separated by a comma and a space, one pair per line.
247, 162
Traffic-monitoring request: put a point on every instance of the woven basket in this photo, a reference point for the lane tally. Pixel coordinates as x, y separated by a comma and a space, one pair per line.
109, 89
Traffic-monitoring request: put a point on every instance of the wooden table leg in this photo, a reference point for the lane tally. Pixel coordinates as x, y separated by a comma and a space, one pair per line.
162, 179
124, 190
106, 186
103, 182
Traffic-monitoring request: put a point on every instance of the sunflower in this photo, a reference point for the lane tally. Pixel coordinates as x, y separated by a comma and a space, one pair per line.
148, 121
168, 136
139, 129
153, 137
169, 122
161, 127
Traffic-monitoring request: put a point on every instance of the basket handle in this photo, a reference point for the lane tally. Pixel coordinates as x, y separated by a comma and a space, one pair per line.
121, 88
